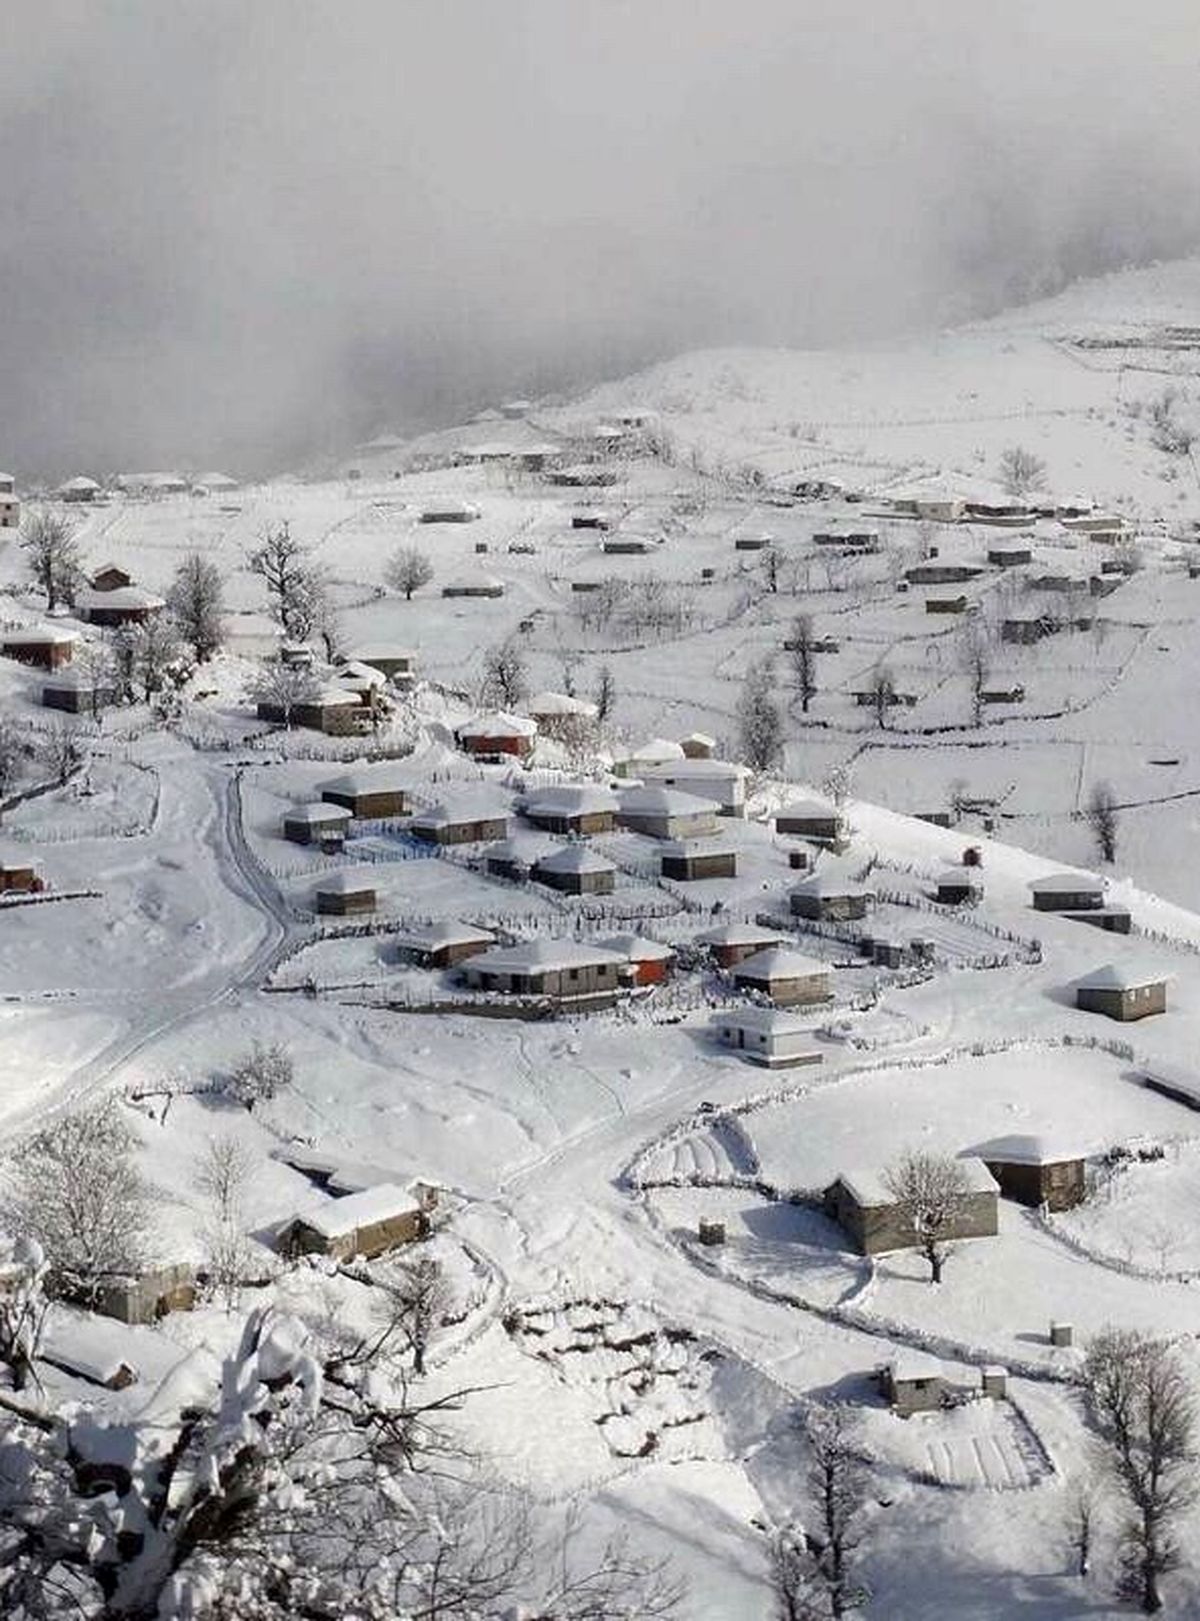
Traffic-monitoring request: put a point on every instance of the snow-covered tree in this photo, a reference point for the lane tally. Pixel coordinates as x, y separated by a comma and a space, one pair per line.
1104, 820
837, 1485
1143, 1408
23, 1305
760, 723
221, 1176
283, 688
407, 570
928, 1189
153, 655
804, 659
74, 1188
1021, 472
196, 599
606, 694
975, 658
504, 683
414, 1304
260, 1074
282, 563
62, 750
52, 551
14, 753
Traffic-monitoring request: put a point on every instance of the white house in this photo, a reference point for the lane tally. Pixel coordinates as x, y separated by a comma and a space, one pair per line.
766, 1035
722, 781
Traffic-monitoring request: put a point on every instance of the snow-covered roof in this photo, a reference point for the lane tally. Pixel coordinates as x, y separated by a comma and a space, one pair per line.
696, 849
346, 883
637, 948
75, 681
216, 481
436, 936
355, 671
457, 508
89, 1346
334, 1218
1121, 977
124, 596
829, 888
364, 652
868, 1187
36, 636
652, 801
779, 962
498, 724
367, 779
763, 1021
318, 814
1024, 1148
910, 1366
740, 934
701, 738
82, 482
544, 956
473, 582
1067, 883
480, 806
577, 858
811, 809
656, 750
515, 850
969, 876
718, 770
570, 799
560, 703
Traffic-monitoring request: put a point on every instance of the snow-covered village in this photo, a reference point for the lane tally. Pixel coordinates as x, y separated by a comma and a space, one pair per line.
600, 997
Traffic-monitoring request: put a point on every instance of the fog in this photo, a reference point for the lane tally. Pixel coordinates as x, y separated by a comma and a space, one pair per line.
246, 231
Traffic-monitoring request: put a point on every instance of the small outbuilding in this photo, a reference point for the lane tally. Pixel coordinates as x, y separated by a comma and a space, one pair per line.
561, 715
371, 792
559, 970
395, 662
732, 943
576, 870
698, 746
788, 977
361, 1225
958, 886
19, 875
868, 1212
1122, 991
42, 647
76, 693
655, 751
689, 860
812, 820
1035, 1171
830, 900
319, 824
345, 894
766, 1035
450, 512
915, 1382
120, 605
650, 962
110, 577
443, 945
1067, 892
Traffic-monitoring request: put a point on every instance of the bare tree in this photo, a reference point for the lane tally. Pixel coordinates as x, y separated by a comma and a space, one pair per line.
14, 752
407, 570
800, 1594
74, 1188
1103, 819
197, 602
1167, 432
311, 612
1021, 472
839, 780
771, 569
221, 1175
882, 689
760, 724
154, 654
260, 1074
63, 750
1142, 1407
977, 667
837, 1484
281, 562
415, 1304
504, 683
282, 688
1083, 1507
928, 1189
606, 694
53, 553
23, 1306
801, 645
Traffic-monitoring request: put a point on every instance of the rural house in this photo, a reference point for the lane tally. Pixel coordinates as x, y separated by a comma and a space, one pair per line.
396, 663
830, 900
449, 511
657, 751
810, 819
787, 977
1067, 892
687, 860
78, 489
958, 886
110, 577
870, 1216
121, 605
560, 970
361, 1225
474, 585
345, 894
145, 1296
1123, 992
769, 1036
666, 813
732, 943
1034, 1171
319, 824
720, 781
497, 737
76, 693
571, 809
650, 961
468, 819
560, 715
443, 945
44, 648
335, 711
372, 792
576, 870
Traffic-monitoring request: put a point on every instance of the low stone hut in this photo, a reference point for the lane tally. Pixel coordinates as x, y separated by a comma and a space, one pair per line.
868, 1213
362, 1225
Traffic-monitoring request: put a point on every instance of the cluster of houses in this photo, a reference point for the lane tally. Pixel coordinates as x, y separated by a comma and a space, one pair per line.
82, 490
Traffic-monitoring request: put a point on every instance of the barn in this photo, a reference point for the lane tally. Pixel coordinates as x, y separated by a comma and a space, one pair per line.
75, 693
812, 820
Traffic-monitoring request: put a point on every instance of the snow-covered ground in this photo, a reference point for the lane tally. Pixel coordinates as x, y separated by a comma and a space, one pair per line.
179, 926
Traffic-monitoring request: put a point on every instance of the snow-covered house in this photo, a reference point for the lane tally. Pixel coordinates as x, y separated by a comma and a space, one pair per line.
1010, 554
558, 714
560, 970
511, 858
474, 585
80, 488
333, 710
497, 737
869, 1213
667, 813
698, 746
1067, 892
466, 819
576, 870
766, 1035
147, 1295
732, 943
722, 781
650, 961
450, 511
19, 875
77, 693
119, 605
320, 824
915, 1382
345, 894
811, 819
657, 751
388, 658
44, 647
688, 860
368, 792
10, 509
110, 577
571, 808
1122, 991
443, 945
830, 900
958, 886
1035, 1171
362, 1224
788, 977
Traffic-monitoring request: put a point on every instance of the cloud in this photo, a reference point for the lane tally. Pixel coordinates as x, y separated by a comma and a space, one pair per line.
241, 232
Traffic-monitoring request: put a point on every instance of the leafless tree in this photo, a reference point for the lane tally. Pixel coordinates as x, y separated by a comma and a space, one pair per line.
771, 569
407, 570
1142, 1407
74, 1188
14, 753
804, 659
63, 750
282, 564
837, 1484
197, 602
221, 1175
414, 1303
23, 1306
311, 612
53, 554
606, 694
839, 780
799, 1592
260, 1074
504, 683
283, 688
154, 655
1082, 1513
1103, 819
760, 724
928, 1189
976, 666
1021, 472
882, 688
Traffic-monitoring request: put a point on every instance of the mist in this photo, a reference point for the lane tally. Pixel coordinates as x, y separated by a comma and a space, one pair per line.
244, 232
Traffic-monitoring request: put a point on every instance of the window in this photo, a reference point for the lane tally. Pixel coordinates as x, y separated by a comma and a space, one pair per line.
572, 973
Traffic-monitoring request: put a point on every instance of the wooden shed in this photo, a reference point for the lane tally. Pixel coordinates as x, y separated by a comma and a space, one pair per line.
363, 1225
788, 977
688, 860
666, 813
830, 900
732, 943
450, 511
75, 693
570, 808
470, 819
474, 585
650, 961
19, 875
812, 820
958, 886
443, 945
576, 870
345, 894
1067, 892
1035, 1171
320, 824
120, 605
42, 647
372, 792
1122, 991
559, 970
868, 1213
497, 737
